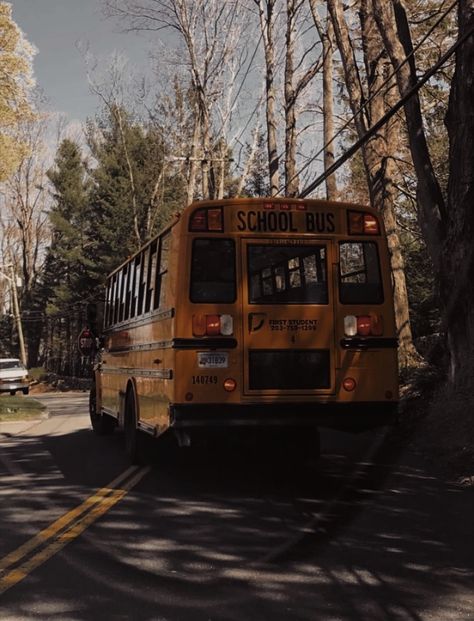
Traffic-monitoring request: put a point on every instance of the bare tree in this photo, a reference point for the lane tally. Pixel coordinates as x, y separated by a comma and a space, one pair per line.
209, 31
296, 80
24, 225
378, 152
266, 9
326, 34
24, 217
447, 225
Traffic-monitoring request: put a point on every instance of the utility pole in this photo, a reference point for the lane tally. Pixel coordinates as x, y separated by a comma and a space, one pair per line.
16, 310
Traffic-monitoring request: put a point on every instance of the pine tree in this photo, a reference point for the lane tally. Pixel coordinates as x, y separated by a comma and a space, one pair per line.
68, 279
126, 215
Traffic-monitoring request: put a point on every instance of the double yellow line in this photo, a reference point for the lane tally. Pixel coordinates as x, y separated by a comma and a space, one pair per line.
18, 564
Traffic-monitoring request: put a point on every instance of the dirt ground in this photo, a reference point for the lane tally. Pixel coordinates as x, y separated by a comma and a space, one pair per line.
438, 422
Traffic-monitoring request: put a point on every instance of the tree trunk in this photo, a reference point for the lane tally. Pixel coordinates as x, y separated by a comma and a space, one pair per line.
376, 153
193, 165
457, 265
326, 34
291, 178
397, 41
266, 12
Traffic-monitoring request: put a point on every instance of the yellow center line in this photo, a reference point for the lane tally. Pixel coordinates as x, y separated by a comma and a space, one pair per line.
91, 509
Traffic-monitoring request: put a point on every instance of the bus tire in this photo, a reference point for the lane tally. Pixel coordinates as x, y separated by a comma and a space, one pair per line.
133, 436
102, 424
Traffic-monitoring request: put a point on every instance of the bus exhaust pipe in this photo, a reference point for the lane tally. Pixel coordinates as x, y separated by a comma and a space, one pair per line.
183, 438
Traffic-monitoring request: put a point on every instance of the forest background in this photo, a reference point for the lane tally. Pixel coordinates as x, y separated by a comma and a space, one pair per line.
368, 102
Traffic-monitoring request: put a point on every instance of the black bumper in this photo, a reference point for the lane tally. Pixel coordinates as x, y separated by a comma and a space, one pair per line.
346, 416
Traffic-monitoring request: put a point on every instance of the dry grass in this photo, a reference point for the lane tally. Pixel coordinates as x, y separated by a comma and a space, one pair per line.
439, 418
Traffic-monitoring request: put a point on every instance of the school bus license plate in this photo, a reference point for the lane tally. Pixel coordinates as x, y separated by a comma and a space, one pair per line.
213, 360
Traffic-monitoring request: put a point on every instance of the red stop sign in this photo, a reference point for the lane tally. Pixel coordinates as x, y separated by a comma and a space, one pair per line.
86, 342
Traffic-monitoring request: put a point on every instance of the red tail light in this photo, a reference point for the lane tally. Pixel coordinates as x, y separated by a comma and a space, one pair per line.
363, 325
213, 325
362, 223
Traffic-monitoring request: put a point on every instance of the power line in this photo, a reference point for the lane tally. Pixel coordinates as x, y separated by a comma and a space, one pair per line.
357, 145
377, 92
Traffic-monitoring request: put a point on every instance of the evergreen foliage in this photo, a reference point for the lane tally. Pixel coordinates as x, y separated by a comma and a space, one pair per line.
68, 264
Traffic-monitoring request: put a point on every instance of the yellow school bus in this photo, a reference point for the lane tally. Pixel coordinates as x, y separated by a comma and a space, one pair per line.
250, 313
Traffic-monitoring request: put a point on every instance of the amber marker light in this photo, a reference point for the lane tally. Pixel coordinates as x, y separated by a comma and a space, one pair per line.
349, 384
199, 325
230, 384
214, 219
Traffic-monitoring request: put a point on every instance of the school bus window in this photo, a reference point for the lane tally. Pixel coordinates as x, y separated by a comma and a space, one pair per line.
121, 293
143, 277
359, 273
108, 304
286, 274
128, 291
135, 286
114, 299
162, 272
213, 271
151, 277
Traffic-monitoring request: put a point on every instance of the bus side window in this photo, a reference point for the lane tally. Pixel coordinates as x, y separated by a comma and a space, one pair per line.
135, 285
162, 272
142, 284
108, 304
128, 291
151, 276
123, 280
359, 273
112, 299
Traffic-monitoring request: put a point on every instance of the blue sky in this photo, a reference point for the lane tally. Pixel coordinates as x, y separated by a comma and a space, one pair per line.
55, 27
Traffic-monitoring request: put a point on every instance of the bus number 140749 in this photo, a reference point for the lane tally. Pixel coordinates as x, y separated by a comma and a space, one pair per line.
204, 379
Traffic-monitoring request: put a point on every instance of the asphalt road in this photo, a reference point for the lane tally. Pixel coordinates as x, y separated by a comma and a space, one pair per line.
234, 535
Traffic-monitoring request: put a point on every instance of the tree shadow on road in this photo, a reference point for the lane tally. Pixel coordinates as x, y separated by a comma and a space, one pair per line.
241, 535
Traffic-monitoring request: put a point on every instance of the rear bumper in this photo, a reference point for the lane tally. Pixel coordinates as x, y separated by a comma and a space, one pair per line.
349, 417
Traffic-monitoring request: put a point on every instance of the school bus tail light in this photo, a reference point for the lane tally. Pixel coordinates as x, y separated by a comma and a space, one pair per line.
204, 219
362, 223
213, 325
363, 325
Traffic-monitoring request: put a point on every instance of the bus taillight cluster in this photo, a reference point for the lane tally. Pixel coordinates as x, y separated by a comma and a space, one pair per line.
213, 325
363, 325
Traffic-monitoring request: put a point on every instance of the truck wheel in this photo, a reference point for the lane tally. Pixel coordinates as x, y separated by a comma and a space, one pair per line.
102, 424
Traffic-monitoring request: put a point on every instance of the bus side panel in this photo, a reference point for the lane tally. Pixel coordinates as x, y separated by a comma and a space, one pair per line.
155, 391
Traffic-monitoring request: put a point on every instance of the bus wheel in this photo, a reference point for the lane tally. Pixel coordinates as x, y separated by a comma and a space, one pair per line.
132, 433
101, 423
